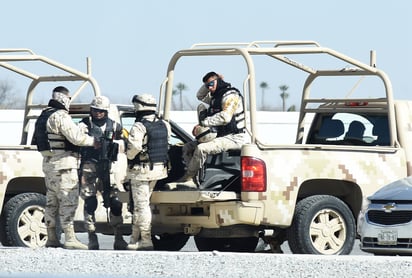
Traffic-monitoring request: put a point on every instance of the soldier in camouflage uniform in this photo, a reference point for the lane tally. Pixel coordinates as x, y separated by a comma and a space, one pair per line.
57, 138
225, 116
93, 162
147, 147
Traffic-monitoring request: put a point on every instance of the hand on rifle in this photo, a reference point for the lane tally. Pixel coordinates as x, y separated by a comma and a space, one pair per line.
97, 144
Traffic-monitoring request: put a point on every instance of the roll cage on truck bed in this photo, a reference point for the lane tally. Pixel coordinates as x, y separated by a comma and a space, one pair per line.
274, 195
10, 59
278, 51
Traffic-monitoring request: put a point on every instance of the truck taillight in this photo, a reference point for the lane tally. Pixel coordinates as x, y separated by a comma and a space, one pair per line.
253, 172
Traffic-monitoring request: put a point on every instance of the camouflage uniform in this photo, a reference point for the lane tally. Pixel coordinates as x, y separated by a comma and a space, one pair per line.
143, 178
60, 170
195, 153
100, 126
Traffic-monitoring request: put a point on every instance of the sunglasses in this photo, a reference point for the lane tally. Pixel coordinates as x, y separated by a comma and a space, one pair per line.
210, 84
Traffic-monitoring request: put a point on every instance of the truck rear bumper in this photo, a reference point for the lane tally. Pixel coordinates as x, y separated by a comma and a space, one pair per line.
203, 209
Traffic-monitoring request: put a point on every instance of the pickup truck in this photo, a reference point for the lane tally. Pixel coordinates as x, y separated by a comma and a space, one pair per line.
352, 138
22, 187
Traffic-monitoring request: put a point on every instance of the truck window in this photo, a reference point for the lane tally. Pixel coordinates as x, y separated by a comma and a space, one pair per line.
381, 132
350, 129
330, 130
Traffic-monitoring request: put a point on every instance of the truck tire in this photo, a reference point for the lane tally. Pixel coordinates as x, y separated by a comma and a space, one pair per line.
169, 242
3, 237
24, 220
241, 244
322, 224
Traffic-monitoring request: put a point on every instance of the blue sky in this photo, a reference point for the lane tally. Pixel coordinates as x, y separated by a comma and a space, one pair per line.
130, 42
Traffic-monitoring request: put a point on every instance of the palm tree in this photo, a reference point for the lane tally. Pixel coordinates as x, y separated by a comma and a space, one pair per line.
284, 95
174, 106
292, 108
181, 87
263, 85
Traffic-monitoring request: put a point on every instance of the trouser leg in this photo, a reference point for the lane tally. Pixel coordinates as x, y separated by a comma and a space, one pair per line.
142, 216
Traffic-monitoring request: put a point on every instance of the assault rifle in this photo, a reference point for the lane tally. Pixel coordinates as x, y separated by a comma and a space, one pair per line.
108, 154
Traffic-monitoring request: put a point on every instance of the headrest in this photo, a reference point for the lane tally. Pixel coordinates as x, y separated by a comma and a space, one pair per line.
331, 128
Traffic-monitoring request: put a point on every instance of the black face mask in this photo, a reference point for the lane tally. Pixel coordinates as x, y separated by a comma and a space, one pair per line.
221, 87
141, 114
100, 122
55, 104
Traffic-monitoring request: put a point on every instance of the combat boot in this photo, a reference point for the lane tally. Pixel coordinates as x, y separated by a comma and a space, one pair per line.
71, 242
52, 239
145, 244
93, 241
134, 238
119, 243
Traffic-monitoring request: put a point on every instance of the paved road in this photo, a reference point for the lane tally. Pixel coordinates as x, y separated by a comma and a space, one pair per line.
106, 243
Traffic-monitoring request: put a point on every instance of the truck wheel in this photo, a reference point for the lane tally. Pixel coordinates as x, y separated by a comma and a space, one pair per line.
322, 224
243, 244
24, 220
169, 242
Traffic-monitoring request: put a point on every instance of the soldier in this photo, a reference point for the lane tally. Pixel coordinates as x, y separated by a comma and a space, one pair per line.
225, 116
96, 172
57, 138
147, 148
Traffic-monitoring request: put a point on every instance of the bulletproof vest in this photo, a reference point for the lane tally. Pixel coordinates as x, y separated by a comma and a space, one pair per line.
106, 138
216, 106
157, 144
46, 141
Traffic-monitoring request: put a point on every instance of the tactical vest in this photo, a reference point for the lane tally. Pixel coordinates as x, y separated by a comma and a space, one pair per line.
234, 126
46, 141
157, 145
106, 138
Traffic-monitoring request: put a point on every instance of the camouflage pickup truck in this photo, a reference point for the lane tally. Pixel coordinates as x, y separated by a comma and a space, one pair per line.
352, 139
22, 187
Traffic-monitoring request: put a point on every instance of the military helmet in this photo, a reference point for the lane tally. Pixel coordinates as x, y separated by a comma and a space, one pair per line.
204, 134
144, 102
101, 103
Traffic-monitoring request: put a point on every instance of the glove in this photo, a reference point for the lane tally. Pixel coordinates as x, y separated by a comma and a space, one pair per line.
202, 115
97, 144
125, 133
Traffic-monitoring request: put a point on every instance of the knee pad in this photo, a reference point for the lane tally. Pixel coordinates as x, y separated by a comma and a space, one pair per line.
90, 205
116, 206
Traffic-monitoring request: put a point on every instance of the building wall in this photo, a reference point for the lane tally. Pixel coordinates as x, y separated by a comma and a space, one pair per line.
273, 127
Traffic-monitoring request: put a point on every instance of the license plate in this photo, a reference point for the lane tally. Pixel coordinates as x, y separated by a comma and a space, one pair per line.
388, 238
